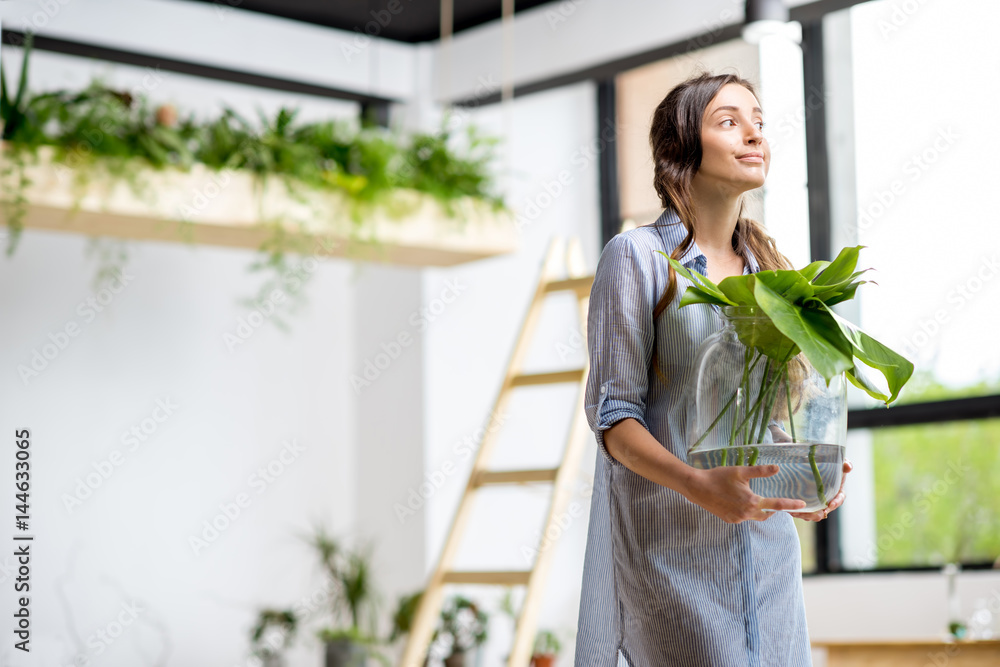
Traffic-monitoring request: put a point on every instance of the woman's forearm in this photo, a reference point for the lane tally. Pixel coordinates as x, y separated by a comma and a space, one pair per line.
636, 449
724, 491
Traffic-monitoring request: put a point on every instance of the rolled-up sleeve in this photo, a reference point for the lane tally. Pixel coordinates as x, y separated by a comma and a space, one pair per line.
620, 337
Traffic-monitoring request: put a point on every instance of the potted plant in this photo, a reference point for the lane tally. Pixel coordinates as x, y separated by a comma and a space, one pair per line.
463, 624
351, 638
461, 628
547, 647
274, 631
771, 387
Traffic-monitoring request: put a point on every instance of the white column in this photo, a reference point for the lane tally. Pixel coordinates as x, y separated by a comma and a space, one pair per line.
387, 376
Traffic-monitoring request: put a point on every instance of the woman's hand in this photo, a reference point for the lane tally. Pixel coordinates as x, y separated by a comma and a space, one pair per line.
725, 492
837, 501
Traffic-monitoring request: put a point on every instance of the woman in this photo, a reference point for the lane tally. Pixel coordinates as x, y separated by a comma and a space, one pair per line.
683, 566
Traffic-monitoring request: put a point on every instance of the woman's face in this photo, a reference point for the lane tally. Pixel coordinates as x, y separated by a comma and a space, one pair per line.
731, 129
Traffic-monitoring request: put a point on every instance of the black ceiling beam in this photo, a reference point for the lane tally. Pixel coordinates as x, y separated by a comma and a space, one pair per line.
134, 58
409, 21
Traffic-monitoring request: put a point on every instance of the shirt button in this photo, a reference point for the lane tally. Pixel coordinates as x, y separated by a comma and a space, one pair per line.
603, 389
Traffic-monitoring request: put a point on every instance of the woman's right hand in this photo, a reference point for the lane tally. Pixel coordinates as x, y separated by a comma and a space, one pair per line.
725, 492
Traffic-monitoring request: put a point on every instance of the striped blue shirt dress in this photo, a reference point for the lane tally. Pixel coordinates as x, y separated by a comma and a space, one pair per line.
665, 582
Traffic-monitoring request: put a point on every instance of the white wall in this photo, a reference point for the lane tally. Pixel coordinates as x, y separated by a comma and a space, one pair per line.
272, 402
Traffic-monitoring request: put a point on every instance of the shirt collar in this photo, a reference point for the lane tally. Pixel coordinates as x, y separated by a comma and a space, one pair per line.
673, 232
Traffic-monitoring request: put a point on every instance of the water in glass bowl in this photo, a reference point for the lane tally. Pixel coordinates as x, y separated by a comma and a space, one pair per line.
811, 472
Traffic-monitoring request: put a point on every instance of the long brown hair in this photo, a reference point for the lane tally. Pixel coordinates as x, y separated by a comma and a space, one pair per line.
675, 139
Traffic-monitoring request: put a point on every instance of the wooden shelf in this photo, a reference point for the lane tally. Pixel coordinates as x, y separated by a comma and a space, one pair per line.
906, 652
222, 208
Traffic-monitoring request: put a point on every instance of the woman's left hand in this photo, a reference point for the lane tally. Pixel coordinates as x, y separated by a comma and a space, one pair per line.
837, 501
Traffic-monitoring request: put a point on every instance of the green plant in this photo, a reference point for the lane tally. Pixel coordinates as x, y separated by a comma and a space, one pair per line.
547, 643
797, 305
120, 133
402, 618
283, 621
464, 623
353, 605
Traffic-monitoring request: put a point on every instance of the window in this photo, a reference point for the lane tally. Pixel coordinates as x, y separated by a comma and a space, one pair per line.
913, 165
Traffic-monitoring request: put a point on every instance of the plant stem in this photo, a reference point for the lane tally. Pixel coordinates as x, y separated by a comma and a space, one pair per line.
736, 417
722, 413
762, 392
755, 410
770, 399
816, 475
788, 397
741, 390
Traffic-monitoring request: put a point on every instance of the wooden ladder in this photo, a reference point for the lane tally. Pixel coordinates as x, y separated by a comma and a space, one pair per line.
561, 477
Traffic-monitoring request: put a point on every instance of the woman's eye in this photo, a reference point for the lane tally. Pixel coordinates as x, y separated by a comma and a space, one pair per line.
759, 122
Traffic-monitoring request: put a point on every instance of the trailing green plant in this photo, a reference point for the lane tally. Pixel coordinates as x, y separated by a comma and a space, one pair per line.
122, 135
799, 322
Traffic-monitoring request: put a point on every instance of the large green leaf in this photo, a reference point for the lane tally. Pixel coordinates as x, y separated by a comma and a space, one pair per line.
896, 368
807, 330
809, 272
840, 268
697, 295
860, 378
701, 283
760, 333
826, 292
845, 294
739, 289
791, 285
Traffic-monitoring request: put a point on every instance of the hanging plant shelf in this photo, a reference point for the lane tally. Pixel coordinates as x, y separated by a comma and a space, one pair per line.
230, 208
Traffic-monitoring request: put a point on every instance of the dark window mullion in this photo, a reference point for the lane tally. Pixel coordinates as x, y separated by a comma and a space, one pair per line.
828, 557
607, 116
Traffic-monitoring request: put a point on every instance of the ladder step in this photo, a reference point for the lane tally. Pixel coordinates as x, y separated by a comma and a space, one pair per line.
497, 578
516, 476
579, 285
555, 377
